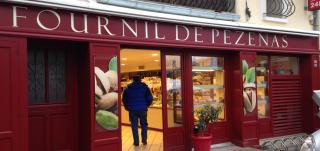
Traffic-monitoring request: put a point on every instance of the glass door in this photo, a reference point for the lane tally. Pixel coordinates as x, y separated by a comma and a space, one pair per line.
174, 135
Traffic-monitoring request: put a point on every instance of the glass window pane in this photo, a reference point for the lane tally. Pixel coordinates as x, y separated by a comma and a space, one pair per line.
36, 77
56, 76
174, 99
262, 86
282, 65
208, 82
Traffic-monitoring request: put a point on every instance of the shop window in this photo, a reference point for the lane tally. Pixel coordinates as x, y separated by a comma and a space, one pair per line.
208, 83
46, 75
174, 93
280, 8
262, 71
283, 65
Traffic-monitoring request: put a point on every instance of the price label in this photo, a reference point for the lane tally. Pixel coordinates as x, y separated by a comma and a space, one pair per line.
313, 5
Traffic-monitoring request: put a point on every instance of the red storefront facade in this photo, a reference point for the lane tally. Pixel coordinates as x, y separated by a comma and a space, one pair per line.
64, 116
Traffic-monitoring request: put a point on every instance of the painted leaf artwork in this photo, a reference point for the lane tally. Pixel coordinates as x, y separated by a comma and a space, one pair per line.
249, 88
106, 95
250, 75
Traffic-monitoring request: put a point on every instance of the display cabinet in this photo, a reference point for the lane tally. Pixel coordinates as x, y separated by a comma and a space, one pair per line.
208, 82
152, 79
262, 72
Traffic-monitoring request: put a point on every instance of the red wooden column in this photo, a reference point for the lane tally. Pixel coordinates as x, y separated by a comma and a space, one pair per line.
315, 85
13, 95
309, 70
105, 122
244, 117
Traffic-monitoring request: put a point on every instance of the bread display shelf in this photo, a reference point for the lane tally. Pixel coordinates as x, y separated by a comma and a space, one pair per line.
200, 87
200, 68
261, 85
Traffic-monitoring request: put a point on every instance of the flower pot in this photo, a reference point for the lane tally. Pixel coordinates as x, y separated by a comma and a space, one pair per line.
202, 143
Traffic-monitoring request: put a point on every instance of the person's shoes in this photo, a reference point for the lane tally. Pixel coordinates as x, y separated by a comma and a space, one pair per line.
144, 143
135, 144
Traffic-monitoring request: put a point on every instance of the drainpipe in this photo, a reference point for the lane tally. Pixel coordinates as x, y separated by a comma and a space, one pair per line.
315, 20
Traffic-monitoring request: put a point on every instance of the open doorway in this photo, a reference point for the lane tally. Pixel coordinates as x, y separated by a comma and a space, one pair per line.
145, 63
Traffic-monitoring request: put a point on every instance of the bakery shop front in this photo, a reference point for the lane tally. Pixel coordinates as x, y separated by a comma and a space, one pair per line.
63, 72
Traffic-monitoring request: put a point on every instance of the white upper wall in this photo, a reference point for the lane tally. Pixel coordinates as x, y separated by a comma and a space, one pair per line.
299, 20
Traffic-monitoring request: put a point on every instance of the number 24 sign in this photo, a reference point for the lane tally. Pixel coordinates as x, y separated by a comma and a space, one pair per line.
313, 5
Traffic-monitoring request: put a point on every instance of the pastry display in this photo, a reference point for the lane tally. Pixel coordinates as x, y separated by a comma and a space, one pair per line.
262, 86
208, 82
153, 82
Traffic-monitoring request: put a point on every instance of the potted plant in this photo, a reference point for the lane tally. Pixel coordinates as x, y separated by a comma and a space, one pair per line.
204, 115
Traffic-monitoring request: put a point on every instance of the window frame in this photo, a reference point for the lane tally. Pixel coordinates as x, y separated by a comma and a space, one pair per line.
265, 17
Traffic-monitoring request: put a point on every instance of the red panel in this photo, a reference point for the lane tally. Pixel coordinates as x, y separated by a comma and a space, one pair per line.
13, 127
264, 128
286, 114
6, 144
105, 147
37, 133
5, 89
220, 133
60, 132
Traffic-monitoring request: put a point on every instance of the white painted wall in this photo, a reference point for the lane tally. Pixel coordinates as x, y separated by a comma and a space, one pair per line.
299, 20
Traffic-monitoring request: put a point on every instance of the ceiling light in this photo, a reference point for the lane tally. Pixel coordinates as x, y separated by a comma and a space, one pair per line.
156, 60
154, 54
122, 64
124, 58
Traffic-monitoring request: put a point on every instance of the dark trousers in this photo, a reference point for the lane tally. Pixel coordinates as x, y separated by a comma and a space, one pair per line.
142, 116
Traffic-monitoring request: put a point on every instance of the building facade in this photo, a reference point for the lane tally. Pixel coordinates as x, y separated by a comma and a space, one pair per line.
65, 64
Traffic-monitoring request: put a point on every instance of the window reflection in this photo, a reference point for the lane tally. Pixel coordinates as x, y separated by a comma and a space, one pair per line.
174, 99
281, 65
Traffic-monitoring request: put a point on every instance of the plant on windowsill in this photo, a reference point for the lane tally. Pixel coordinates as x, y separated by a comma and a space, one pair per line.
204, 115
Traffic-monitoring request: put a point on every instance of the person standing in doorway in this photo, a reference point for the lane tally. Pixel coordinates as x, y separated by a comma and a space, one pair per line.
136, 99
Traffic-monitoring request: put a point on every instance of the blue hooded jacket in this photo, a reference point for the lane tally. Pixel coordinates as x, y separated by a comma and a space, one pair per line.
137, 97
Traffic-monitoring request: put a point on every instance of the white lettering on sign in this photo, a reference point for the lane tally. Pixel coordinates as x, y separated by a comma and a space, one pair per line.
285, 42
239, 38
251, 39
85, 24
226, 37
41, 25
104, 25
177, 33
197, 35
156, 32
214, 34
275, 41
146, 29
50, 20
265, 40
15, 16
125, 24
